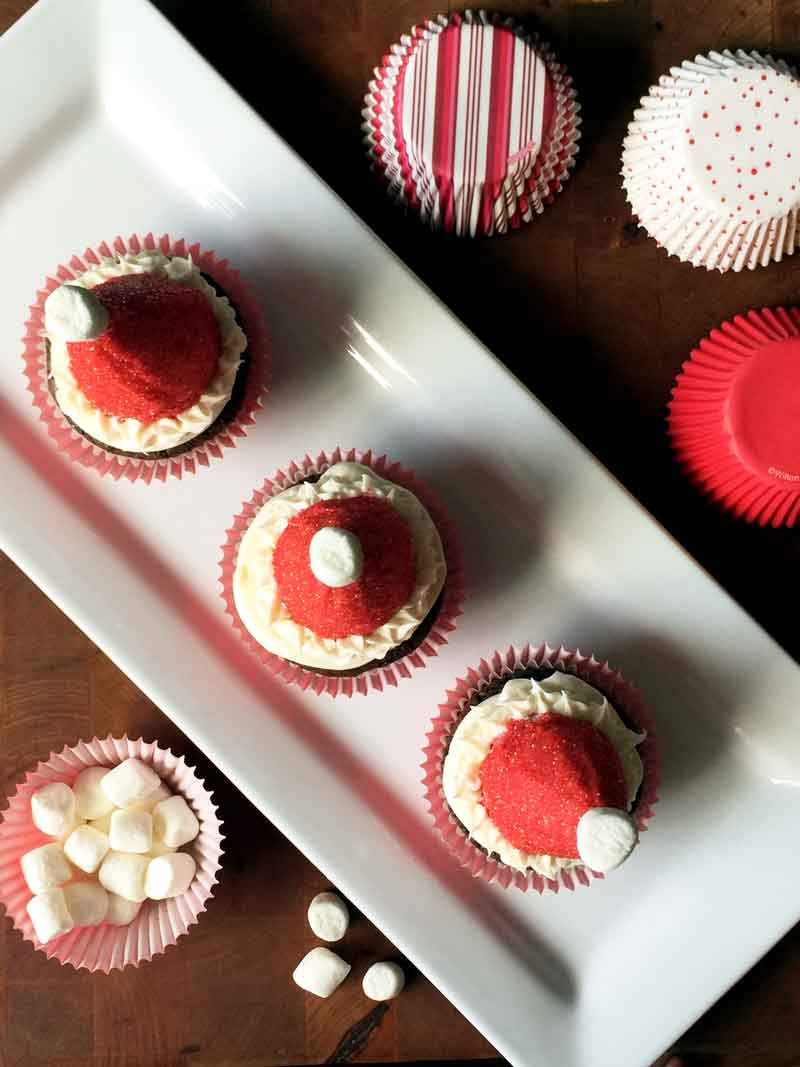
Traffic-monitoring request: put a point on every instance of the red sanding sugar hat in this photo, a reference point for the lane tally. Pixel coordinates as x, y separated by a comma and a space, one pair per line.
735, 412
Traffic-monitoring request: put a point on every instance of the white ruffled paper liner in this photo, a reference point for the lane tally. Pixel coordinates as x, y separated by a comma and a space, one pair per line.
525, 192
682, 225
457, 703
371, 678
159, 923
258, 370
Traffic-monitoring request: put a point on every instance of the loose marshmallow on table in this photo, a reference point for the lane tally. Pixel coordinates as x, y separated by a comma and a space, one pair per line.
328, 917
131, 831
45, 867
169, 875
87, 903
150, 801
174, 822
49, 914
124, 873
121, 912
91, 801
321, 972
129, 783
86, 847
383, 981
53, 809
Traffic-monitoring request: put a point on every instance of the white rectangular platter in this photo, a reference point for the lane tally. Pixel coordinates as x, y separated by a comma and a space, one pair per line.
119, 127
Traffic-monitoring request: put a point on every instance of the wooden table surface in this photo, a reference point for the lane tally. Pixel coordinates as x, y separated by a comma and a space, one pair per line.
592, 316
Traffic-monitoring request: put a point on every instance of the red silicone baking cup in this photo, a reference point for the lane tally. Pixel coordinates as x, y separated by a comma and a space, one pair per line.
733, 416
621, 694
159, 923
511, 201
452, 596
72, 443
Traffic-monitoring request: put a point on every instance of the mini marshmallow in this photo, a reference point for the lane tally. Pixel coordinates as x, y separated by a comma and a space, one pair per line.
129, 783
45, 867
328, 917
53, 809
86, 847
321, 972
383, 981
121, 912
90, 800
49, 914
606, 837
87, 903
158, 848
162, 793
174, 822
74, 314
335, 556
103, 824
124, 873
131, 831
169, 876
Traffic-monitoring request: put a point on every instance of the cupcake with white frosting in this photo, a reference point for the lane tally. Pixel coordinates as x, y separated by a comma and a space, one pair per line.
343, 572
145, 353
541, 769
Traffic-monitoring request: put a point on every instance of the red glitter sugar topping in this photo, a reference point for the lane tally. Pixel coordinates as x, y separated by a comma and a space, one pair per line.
159, 352
387, 577
542, 774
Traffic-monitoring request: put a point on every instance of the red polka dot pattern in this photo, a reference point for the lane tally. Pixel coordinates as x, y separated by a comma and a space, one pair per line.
542, 774
160, 350
386, 581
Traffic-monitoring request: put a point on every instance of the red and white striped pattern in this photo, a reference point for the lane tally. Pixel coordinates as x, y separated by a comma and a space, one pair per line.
472, 122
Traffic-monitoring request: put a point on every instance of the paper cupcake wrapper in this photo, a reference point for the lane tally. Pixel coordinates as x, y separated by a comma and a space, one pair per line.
374, 678
750, 465
669, 209
160, 922
458, 701
72, 443
475, 208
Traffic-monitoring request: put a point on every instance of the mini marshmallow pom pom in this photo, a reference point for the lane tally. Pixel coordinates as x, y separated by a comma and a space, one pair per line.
53, 809
320, 972
121, 912
328, 917
606, 837
383, 981
124, 873
170, 875
86, 848
45, 867
174, 822
129, 783
91, 801
87, 903
49, 914
335, 556
74, 314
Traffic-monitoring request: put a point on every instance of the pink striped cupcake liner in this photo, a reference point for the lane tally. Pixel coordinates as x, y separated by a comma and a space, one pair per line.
472, 123
371, 678
106, 462
467, 692
159, 923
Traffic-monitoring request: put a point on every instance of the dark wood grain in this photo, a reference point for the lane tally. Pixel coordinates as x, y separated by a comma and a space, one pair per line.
596, 319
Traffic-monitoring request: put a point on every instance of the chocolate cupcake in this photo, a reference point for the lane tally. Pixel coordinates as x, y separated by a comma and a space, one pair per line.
340, 573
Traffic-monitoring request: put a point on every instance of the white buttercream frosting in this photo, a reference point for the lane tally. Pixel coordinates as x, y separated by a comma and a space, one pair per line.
256, 593
524, 698
131, 435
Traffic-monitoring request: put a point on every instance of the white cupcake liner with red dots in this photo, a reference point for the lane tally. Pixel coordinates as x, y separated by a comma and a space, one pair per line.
464, 203
466, 692
73, 443
711, 162
371, 678
159, 923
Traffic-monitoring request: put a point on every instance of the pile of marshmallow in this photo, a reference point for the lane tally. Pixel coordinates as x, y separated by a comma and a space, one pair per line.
321, 971
117, 831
